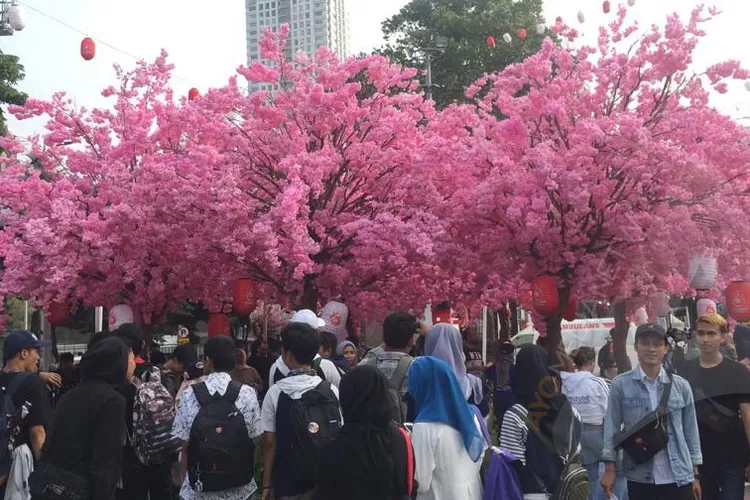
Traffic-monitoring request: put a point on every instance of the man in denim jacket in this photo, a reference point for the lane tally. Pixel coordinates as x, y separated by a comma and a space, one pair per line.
670, 474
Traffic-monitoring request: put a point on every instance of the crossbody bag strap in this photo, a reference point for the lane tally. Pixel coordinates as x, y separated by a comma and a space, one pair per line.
701, 395
663, 407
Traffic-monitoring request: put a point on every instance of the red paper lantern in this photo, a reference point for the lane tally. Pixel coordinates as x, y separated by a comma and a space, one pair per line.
490, 41
88, 48
193, 94
738, 300
546, 298
521, 33
570, 313
245, 296
218, 324
606, 6
57, 313
441, 316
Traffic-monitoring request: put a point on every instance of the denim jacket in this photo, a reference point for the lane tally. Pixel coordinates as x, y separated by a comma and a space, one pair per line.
629, 402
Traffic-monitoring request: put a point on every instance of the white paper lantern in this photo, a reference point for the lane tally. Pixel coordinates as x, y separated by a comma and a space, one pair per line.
507, 38
581, 17
120, 315
541, 29
703, 272
705, 306
641, 316
16, 18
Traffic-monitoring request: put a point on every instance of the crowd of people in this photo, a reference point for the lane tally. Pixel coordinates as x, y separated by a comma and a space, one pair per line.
308, 417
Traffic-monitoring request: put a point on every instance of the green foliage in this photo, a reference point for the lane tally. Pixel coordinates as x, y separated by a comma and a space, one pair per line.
467, 24
11, 74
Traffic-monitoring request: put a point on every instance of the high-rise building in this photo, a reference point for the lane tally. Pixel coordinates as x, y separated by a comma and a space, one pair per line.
312, 23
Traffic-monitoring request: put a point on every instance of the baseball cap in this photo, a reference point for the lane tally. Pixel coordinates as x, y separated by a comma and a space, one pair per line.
309, 317
185, 354
18, 340
654, 329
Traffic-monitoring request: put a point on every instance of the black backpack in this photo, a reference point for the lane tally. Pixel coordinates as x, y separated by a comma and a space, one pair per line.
277, 375
314, 419
10, 421
220, 451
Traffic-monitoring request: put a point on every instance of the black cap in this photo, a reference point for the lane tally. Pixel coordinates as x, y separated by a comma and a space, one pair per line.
653, 329
18, 340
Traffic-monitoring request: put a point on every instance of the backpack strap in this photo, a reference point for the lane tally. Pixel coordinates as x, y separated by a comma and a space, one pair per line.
402, 369
233, 392
544, 439
18, 379
202, 394
316, 366
409, 461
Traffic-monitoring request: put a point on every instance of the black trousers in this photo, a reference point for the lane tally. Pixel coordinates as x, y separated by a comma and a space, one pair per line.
643, 491
146, 483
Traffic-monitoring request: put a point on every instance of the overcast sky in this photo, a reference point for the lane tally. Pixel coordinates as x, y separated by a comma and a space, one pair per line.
207, 41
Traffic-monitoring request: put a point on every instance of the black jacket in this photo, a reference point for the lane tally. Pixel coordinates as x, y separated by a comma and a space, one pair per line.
88, 425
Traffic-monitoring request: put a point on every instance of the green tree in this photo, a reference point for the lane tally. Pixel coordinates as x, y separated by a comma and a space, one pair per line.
466, 24
11, 74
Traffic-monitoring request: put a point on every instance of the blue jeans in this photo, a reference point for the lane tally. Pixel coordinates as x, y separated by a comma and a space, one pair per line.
722, 484
591, 455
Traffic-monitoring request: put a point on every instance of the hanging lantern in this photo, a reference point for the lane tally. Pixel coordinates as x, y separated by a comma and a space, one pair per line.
88, 49
738, 300
521, 33
120, 315
193, 94
570, 313
490, 41
218, 324
606, 6
57, 313
546, 298
245, 295
16, 17
705, 306
703, 272
581, 17
507, 38
441, 316
641, 316
631, 2
541, 29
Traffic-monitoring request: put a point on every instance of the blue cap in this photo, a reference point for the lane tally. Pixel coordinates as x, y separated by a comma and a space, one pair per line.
18, 340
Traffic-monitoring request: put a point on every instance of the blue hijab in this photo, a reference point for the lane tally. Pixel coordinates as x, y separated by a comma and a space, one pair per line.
438, 398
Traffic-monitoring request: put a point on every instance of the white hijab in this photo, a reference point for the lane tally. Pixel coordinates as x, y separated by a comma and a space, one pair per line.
444, 342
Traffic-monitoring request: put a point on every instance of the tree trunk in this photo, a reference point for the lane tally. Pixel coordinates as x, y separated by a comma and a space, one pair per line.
553, 343
514, 326
620, 338
309, 295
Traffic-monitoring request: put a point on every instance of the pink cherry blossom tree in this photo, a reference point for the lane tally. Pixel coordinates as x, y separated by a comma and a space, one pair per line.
605, 167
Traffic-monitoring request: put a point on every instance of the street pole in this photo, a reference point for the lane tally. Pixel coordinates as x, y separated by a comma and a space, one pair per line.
428, 77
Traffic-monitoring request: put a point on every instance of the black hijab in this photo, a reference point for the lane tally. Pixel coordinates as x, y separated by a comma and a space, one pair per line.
106, 361
365, 460
539, 389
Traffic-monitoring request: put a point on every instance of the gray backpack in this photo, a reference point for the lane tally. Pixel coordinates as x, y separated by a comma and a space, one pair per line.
400, 406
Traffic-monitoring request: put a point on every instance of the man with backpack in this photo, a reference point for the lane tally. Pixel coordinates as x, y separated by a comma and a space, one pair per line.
149, 448
660, 439
323, 367
394, 361
217, 421
300, 414
24, 403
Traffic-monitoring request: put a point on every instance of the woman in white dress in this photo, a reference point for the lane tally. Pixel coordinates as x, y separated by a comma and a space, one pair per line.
448, 444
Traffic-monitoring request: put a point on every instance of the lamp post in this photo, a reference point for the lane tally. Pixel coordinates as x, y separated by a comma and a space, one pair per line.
439, 45
11, 18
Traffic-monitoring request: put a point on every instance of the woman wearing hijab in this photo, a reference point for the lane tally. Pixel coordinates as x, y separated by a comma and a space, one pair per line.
444, 342
88, 425
448, 444
347, 352
540, 401
370, 458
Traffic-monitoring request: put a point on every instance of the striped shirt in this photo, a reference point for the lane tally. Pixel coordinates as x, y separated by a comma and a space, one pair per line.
514, 432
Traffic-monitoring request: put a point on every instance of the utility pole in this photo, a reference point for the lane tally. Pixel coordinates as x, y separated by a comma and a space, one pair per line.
428, 77
439, 45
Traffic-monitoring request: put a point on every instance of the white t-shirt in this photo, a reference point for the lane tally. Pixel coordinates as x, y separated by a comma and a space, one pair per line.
326, 366
444, 469
294, 387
